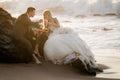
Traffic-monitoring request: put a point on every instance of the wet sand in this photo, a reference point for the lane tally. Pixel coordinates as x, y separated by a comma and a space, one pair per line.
49, 71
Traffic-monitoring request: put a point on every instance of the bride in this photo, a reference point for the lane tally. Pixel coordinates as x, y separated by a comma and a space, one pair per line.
64, 46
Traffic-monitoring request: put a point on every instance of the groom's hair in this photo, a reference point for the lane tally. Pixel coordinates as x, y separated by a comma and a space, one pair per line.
30, 9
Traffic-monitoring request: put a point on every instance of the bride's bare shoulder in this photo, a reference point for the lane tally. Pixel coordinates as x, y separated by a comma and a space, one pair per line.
55, 19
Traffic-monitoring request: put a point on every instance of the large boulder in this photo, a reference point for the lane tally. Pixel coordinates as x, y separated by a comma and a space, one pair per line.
13, 47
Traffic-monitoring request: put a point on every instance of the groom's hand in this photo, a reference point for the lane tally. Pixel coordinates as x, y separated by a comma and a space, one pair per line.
46, 30
37, 31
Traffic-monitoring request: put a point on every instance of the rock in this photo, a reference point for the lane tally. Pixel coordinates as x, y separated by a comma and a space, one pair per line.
13, 47
106, 29
80, 16
110, 14
96, 14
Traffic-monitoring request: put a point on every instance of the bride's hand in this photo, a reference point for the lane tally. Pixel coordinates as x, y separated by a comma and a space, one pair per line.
46, 30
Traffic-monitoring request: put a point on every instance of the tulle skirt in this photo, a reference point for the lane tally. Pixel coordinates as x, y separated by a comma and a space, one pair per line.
64, 46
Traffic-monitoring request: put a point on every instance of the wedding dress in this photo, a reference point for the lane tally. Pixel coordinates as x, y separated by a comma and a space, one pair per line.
65, 46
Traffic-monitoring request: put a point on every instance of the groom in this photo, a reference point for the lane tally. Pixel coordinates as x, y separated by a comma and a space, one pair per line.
25, 25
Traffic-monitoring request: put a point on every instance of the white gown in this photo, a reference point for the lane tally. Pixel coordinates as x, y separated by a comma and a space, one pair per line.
65, 46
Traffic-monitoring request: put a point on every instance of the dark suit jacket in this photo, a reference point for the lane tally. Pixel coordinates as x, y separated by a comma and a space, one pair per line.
23, 24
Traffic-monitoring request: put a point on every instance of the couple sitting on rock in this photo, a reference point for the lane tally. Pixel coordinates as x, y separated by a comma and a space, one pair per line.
61, 45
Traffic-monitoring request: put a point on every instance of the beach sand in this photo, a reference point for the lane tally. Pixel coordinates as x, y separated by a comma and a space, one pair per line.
49, 71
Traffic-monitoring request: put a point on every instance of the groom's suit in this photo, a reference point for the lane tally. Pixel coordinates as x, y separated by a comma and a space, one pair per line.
24, 26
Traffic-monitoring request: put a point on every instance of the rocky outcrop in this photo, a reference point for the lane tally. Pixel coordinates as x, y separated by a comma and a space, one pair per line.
13, 47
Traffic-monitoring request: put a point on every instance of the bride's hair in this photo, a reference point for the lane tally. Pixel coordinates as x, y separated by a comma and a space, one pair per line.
48, 13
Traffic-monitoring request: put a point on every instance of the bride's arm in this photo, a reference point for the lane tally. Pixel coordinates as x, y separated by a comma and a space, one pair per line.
54, 23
